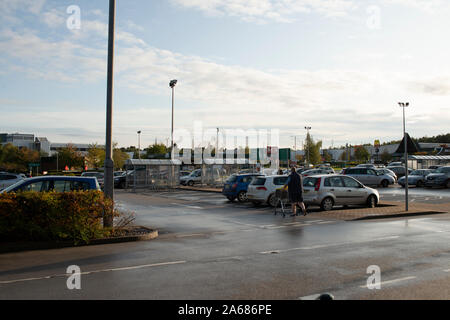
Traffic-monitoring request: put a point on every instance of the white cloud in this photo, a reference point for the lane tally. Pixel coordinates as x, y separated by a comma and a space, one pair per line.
269, 10
343, 104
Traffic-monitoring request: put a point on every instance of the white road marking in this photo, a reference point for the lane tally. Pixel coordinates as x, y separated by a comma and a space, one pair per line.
190, 235
391, 281
328, 245
96, 271
448, 270
186, 206
310, 297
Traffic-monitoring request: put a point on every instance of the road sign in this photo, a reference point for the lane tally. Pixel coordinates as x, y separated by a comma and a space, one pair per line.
34, 165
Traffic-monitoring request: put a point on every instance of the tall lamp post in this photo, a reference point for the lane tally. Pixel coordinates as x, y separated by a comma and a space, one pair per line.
307, 143
295, 148
139, 144
109, 162
172, 85
404, 105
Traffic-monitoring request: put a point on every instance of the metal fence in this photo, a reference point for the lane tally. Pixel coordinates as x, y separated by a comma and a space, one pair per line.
152, 174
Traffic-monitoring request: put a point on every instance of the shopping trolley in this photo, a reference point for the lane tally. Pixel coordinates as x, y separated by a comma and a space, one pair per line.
282, 197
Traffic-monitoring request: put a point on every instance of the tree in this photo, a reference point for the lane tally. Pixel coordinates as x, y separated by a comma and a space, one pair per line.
312, 150
70, 156
95, 156
361, 153
16, 159
327, 156
156, 150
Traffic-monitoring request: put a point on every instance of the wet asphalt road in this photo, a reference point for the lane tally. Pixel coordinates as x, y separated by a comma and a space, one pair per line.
212, 249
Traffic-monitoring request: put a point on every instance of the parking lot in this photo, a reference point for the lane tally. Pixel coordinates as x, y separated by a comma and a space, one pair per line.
209, 248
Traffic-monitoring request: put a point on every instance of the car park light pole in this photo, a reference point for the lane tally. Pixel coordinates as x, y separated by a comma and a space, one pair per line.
404, 105
172, 85
109, 162
139, 144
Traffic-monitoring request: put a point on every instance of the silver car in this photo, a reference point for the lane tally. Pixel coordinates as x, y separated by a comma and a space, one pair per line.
8, 179
327, 191
369, 176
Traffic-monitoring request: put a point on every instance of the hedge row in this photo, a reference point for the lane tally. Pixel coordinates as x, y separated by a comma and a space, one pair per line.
43, 216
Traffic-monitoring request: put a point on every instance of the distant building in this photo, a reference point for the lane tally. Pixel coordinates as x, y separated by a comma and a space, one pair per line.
29, 141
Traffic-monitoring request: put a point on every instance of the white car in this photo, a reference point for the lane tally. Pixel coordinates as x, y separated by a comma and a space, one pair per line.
8, 179
192, 178
262, 189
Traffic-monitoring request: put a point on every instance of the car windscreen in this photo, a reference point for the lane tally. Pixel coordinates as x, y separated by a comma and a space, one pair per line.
258, 181
443, 170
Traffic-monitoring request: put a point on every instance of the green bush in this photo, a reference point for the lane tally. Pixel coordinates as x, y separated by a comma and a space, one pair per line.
39, 216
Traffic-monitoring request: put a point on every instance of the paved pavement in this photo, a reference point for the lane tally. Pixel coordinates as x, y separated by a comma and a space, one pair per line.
212, 249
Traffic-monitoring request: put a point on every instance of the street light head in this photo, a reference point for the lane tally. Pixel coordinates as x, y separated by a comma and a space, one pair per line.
172, 83
139, 132
407, 104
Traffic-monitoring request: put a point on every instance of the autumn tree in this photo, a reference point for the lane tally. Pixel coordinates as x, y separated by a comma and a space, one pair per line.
312, 150
361, 154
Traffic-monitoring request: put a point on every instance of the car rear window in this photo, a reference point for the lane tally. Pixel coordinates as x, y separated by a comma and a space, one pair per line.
232, 179
259, 181
309, 181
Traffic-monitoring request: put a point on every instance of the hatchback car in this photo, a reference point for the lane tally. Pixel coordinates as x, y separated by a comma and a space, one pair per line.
387, 171
236, 186
194, 177
369, 176
439, 178
416, 178
399, 170
262, 189
99, 175
327, 191
8, 179
54, 183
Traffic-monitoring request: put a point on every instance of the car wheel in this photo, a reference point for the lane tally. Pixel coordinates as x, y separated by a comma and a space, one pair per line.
190, 183
419, 184
122, 185
371, 201
448, 184
384, 183
242, 196
272, 201
327, 204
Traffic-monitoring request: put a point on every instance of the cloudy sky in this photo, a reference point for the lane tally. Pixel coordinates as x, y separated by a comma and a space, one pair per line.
339, 66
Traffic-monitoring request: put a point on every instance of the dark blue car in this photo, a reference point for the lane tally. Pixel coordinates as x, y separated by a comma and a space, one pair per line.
54, 183
236, 186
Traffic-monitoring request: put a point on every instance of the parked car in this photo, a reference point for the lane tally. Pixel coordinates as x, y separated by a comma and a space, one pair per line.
99, 175
327, 191
54, 183
262, 189
388, 171
184, 173
434, 167
439, 178
366, 165
8, 179
369, 176
194, 177
395, 164
416, 178
399, 170
236, 186
312, 172
121, 180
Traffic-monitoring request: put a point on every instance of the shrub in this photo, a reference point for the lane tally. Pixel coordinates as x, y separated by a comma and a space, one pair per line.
37, 216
